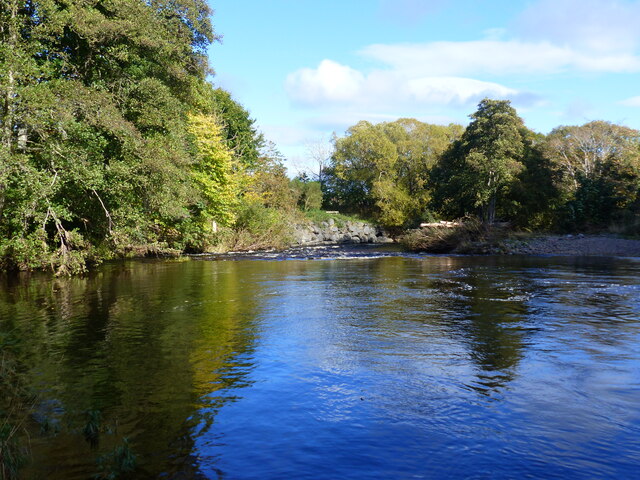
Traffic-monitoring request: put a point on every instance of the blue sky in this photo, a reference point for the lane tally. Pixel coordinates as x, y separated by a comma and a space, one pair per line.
305, 69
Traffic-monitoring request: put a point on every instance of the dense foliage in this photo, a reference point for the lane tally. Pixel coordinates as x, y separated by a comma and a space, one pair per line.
577, 178
113, 142
111, 139
382, 170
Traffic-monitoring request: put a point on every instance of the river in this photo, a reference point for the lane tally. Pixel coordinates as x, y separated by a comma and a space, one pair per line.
343, 364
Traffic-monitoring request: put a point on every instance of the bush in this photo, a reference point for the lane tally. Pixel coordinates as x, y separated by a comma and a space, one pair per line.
470, 235
257, 228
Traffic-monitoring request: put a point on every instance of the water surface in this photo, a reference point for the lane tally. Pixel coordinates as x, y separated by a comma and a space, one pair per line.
352, 368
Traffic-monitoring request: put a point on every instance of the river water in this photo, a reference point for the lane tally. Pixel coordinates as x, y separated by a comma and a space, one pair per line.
335, 364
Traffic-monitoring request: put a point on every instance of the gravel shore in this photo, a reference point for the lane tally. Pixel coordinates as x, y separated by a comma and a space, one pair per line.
595, 245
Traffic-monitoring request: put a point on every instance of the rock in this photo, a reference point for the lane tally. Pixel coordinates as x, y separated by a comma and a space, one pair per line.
329, 231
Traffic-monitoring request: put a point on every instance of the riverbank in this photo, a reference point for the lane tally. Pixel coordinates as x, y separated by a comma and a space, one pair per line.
578, 245
473, 237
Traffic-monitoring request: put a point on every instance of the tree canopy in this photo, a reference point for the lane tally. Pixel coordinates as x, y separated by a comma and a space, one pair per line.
383, 169
111, 139
483, 164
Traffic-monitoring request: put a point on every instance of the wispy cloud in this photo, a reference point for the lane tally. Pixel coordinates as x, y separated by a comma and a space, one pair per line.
595, 25
631, 102
494, 57
333, 84
550, 39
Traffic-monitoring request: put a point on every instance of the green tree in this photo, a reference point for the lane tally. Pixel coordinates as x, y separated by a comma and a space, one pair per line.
267, 182
483, 164
382, 170
96, 154
598, 167
238, 127
309, 193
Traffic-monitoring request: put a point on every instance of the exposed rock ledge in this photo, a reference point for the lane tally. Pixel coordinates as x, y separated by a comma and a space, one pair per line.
332, 232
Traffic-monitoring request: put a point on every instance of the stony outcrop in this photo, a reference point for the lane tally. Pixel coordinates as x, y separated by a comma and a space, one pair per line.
332, 232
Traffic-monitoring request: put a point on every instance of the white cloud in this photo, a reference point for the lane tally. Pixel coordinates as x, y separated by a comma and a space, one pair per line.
388, 89
496, 58
455, 90
631, 102
596, 25
330, 82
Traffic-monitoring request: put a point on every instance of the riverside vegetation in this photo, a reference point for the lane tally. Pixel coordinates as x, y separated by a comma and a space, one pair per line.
114, 143
575, 179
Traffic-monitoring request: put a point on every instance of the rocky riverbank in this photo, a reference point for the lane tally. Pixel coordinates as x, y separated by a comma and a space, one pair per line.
332, 232
474, 238
591, 245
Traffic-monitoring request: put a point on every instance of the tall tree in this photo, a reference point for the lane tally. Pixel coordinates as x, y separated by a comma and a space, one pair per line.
484, 163
94, 141
238, 128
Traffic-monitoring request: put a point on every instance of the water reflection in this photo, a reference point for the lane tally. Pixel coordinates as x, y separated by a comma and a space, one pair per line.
355, 368
138, 344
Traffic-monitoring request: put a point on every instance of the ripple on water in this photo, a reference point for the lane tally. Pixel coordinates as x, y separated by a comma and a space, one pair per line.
389, 367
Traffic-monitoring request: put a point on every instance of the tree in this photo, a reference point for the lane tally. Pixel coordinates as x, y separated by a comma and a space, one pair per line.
382, 169
238, 127
268, 183
309, 193
319, 152
598, 167
483, 164
213, 171
94, 102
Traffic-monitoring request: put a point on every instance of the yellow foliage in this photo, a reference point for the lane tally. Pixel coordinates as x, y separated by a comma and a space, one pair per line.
216, 174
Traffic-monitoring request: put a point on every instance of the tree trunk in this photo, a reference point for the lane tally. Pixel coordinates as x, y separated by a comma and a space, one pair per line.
489, 210
10, 36
492, 210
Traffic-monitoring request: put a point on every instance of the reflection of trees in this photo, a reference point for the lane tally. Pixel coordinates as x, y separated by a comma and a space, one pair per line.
478, 300
141, 342
495, 346
455, 297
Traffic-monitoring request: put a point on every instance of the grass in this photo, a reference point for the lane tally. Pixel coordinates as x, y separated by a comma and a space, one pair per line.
318, 216
120, 463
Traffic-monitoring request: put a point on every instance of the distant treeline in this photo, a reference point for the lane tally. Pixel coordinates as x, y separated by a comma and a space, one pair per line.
113, 142
576, 178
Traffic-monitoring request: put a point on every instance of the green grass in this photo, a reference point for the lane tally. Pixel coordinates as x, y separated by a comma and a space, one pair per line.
318, 216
